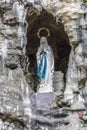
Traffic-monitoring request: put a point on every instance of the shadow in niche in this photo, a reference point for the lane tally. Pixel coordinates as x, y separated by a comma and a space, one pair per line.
58, 40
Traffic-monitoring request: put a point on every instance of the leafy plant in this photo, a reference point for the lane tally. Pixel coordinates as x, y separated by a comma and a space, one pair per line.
84, 3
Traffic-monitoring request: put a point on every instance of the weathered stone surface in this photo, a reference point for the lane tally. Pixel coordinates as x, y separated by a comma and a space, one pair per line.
12, 61
15, 92
58, 83
9, 18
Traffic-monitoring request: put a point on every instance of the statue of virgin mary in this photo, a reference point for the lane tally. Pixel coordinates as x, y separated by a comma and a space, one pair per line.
45, 66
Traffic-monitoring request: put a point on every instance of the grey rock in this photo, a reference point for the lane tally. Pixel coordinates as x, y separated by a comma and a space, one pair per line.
12, 61
15, 92
9, 18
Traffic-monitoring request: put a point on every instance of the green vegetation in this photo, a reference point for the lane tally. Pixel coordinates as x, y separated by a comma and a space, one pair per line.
85, 3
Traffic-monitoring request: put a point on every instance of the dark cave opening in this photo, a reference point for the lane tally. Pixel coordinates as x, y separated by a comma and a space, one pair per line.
58, 40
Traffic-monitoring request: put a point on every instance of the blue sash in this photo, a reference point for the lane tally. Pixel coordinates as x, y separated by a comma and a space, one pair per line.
41, 71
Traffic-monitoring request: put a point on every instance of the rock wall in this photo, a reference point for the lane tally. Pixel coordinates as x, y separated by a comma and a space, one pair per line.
15, 93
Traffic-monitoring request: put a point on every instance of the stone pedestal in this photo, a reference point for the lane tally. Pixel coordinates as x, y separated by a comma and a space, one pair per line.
44, 101
44, 104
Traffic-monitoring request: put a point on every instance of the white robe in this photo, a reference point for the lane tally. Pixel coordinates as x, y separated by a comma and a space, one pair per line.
46, 84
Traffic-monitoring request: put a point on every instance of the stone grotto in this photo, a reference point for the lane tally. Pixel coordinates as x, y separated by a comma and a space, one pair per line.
24, 26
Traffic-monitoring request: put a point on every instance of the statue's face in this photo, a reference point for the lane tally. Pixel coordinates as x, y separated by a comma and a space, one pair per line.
43, 40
